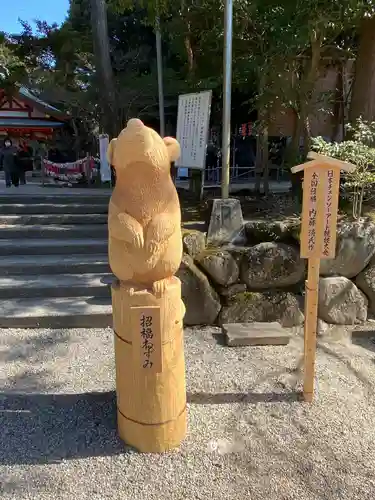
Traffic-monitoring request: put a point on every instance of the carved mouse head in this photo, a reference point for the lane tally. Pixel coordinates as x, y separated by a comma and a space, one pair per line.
140, 144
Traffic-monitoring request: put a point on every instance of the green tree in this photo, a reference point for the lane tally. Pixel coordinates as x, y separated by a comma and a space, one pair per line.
363, 96
12, 69
278, 48
359, 151
59, 69
104, 73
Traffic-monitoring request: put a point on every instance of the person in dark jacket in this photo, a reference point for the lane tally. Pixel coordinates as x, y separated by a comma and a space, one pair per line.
8, 160
24, 162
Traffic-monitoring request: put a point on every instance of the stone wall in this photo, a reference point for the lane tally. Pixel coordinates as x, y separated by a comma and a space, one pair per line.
263, 280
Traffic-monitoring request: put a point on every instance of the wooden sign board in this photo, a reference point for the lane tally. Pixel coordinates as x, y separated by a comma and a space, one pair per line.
147, 348
321, 186
193, 119
319, 212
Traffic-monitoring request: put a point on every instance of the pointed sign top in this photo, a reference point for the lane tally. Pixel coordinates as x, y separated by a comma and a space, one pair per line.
323, 161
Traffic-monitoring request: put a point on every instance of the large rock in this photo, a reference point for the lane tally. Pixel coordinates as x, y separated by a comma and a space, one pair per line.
260, 231
366, 282
272, 265
219, 265
283, 307
229, 291
341, 302
194, 242
354, 248
201, 301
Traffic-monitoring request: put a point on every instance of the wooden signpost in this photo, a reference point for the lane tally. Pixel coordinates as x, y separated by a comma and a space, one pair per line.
318, 241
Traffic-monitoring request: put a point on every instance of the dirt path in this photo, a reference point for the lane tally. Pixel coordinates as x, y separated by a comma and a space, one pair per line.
249, 435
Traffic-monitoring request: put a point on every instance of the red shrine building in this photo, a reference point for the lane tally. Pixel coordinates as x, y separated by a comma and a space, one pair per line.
24, 117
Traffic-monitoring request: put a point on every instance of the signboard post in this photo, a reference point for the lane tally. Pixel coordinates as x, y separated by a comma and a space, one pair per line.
318, 241
193, 122
227, 97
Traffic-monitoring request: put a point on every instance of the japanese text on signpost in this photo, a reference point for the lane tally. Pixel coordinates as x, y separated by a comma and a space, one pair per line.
310, 213
330, 206
319, 216
313, 187
147, 340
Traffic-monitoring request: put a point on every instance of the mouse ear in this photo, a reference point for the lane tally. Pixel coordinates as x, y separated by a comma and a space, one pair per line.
111, 151
173, 147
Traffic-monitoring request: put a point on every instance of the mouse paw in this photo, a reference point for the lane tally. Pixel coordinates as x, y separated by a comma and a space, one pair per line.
180, 319
138, 241
183, 310
159, 287
151, 263
153, 248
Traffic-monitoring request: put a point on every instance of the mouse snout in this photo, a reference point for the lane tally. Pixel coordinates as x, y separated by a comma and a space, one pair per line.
135, 123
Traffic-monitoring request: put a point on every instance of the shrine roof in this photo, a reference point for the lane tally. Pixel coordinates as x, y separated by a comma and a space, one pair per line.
28, 95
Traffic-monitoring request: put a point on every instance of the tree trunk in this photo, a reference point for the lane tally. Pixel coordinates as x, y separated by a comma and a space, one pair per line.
265, 156
77, 141
262, 134
305, 99
105, 80
338, 117
190, 54
187, 39
306, 130
258, 161
293, 154
262, 153
293, 148
308, 89
363, 94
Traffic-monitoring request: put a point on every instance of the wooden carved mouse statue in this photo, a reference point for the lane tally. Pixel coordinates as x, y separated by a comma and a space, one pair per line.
145, 251
144, 219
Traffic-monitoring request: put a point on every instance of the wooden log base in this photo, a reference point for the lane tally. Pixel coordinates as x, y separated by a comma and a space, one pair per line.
150, 366
155, 438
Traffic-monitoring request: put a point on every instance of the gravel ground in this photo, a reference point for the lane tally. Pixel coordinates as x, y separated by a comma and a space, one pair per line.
249, 436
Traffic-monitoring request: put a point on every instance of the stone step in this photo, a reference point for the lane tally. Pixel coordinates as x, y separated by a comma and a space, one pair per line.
65, 199
53, 247
61, 219
31, 265
55, 232
56, 285
62, 312
245, 334
53, 208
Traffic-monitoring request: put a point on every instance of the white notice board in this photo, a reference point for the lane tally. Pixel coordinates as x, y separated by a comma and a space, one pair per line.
105, 169
192, 128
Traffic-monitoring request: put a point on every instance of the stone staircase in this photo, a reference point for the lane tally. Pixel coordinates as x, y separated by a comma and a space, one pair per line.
54, 270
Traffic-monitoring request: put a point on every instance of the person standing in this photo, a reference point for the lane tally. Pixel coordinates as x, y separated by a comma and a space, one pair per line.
24, 162
8, 159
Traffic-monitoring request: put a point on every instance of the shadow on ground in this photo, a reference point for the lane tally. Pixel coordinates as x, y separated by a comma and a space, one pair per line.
50, 428
364, 338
